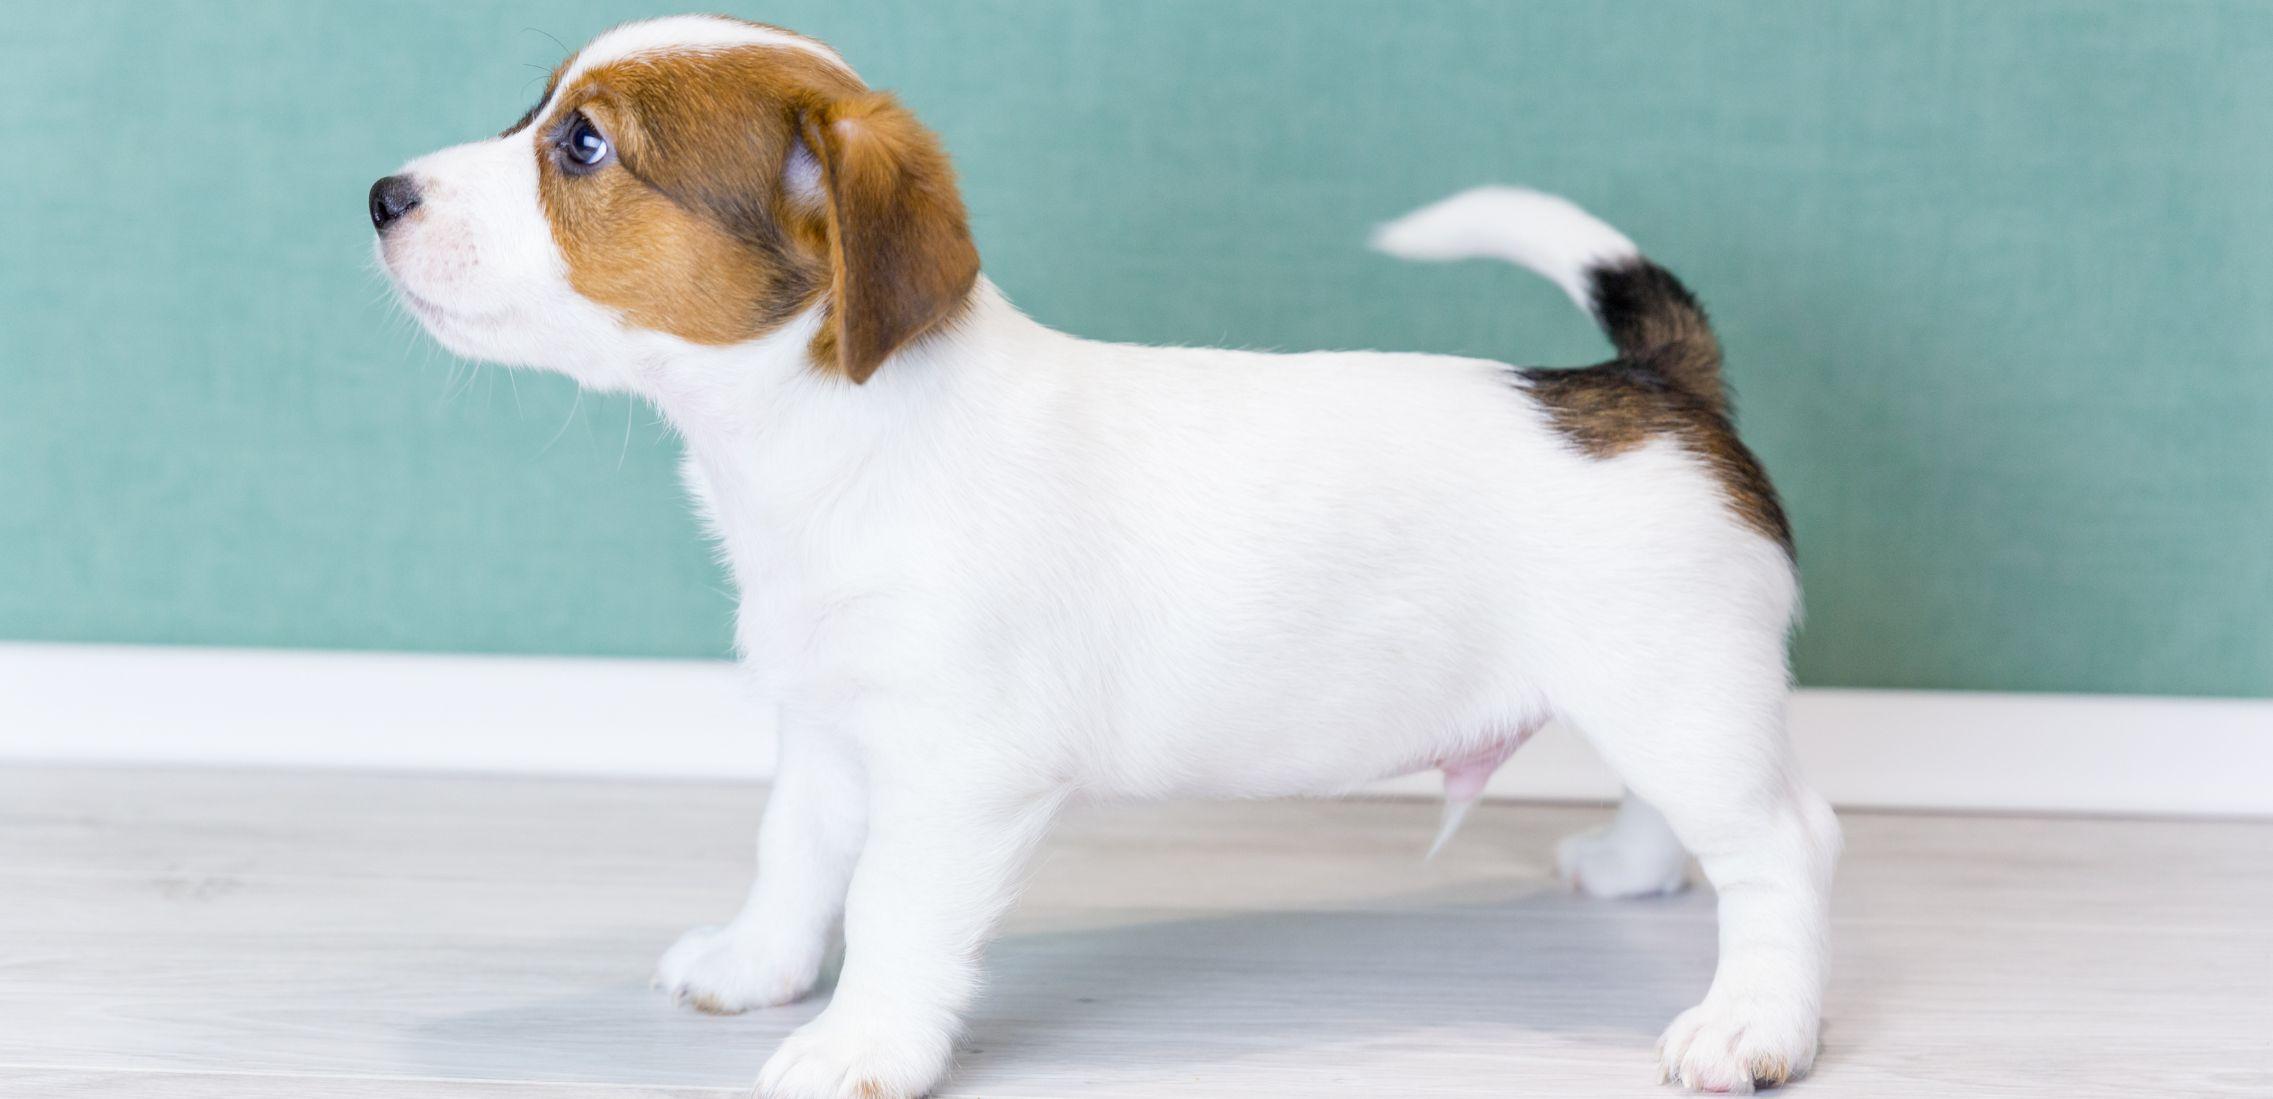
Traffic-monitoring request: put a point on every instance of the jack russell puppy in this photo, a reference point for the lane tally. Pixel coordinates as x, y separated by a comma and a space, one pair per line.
987, 568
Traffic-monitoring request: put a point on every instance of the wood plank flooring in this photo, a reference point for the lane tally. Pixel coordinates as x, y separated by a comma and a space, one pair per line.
219, 934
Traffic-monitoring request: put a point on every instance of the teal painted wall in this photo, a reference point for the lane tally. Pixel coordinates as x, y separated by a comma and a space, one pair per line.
1996, 279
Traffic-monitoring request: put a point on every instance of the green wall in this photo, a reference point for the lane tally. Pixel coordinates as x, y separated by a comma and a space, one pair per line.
1996, 281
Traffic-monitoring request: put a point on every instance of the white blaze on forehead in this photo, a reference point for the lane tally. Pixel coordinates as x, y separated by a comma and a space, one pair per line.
687, 34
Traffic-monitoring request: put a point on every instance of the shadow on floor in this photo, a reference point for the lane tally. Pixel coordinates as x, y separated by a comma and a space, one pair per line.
1145, 999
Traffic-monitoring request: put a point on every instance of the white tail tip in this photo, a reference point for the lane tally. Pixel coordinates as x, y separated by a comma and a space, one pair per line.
1546, 233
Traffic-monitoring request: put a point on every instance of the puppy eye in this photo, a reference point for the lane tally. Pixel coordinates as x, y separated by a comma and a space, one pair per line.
582, 148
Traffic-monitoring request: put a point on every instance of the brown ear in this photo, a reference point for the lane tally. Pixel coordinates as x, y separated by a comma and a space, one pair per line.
900, 252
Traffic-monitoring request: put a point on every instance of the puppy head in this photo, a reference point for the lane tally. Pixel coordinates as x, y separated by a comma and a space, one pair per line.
696, 179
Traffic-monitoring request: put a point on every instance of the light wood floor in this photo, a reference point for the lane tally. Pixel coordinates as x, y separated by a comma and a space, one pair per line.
196, 934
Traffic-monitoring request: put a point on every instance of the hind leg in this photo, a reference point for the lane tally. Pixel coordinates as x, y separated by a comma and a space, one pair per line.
1635, 855
1720, 771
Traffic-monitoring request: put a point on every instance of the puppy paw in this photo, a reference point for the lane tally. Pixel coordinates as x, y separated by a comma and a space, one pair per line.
1736, 1044
724, 970
1607, 864
846, 1056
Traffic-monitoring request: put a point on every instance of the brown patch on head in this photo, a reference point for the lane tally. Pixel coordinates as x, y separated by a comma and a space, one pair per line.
1612, 408
698, 228
690, 230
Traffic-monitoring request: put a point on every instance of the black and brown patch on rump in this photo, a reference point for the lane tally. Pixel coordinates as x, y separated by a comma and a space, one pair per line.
1612, 408
1657, 324
1665, 383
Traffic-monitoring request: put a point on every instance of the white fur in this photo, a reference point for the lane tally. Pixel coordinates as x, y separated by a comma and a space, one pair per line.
689, 33
1018, 568
1635, 855
1546, 233
677, 34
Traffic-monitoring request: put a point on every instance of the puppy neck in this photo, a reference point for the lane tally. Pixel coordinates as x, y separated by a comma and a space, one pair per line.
766, 426
735, 395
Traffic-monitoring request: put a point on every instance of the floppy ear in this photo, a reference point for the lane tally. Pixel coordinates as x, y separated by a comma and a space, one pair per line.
900, 253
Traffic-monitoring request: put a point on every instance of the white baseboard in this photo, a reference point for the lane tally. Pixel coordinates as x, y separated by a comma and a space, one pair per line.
688, 719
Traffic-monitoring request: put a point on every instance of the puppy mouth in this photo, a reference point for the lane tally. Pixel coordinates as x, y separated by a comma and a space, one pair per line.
434, 312
422, 305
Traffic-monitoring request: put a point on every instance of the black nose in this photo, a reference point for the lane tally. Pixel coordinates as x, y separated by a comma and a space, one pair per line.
391, 198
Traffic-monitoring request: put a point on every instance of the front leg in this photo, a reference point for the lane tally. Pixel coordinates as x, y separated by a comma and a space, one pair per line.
772, 952
941, 865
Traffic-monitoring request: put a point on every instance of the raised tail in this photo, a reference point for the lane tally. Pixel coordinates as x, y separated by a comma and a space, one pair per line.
1653, 320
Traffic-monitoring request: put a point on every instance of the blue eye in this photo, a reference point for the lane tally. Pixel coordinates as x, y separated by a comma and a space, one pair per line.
582, 148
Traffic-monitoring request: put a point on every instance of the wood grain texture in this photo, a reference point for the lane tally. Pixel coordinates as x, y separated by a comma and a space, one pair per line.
199, 934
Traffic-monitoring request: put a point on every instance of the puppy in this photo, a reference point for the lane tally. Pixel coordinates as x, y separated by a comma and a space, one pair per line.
987, 568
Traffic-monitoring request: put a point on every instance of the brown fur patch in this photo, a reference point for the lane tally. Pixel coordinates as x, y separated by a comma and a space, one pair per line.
1617, 406
691, 230
694, 230
1665, 382
1657, 325
900, 248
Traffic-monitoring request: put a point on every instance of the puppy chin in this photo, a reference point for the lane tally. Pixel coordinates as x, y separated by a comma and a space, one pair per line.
494, 336
464, 338
508, 338
464, 335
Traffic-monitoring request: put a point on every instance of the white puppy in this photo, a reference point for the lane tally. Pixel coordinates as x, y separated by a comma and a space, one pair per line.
987, 568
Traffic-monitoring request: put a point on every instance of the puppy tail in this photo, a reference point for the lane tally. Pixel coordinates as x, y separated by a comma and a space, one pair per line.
1651, 318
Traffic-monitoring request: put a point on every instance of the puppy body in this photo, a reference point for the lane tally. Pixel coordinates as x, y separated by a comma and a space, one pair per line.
1013, 568
1156, 572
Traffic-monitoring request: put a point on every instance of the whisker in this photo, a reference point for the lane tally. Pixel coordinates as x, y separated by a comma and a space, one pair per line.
548, 34
630, 406
572, 409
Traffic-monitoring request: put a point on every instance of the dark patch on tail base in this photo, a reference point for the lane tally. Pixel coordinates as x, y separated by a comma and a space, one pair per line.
1666, 381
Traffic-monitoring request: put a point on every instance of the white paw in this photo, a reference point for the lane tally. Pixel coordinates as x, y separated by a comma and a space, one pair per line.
844, 1056
724, 970
1735, 1044
1608, 864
